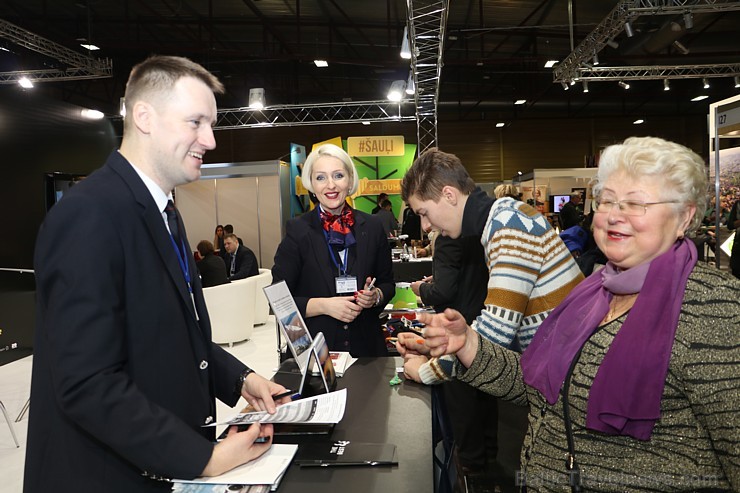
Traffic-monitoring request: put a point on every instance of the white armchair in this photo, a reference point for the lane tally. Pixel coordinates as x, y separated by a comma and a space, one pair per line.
231, 313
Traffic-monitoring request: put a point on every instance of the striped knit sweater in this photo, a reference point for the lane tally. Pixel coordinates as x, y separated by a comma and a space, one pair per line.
694, 445
530, 272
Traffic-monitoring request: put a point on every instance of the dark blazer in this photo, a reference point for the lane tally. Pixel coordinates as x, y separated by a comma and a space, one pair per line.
246, 264
302, 260
460, 277
124, 373
569, 216
212, 270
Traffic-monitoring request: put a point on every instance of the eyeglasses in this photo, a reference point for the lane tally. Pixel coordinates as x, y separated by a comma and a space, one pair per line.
628, 207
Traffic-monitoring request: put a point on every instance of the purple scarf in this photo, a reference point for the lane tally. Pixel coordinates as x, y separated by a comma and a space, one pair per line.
624, 398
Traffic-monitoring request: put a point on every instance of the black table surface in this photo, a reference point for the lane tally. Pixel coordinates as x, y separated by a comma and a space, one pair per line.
376, 413
411, 271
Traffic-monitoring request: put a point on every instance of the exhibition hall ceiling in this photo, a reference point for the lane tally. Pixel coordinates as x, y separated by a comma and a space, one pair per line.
494, 52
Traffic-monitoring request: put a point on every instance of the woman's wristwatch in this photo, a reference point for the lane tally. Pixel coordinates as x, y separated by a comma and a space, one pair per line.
378, 297
240, 382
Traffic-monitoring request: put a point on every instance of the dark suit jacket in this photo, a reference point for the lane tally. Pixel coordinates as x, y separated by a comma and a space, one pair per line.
246, 264
302, 260
460, 277
212, 270
124, 374
569, 216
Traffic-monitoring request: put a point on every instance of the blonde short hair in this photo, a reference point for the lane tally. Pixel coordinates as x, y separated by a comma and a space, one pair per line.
505, 190
332, 151
681, 170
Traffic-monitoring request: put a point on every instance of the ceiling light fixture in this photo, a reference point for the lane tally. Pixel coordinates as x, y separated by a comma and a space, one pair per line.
681, 48
365, 122
565, 86
700, 98
596, 59
89, 47
500, 124
122, 107
321, 63
628, 29
624, 85
585, 86
92, 114
666, 85
26, 83
395, 93
520, 101
705, 82
737, 81
613, 44
550, 63
257, 98
405, 45
639, 121
410, 85
688, 20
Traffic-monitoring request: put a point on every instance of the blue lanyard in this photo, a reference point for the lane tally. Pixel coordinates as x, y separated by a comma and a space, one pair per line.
342, 269
183, 262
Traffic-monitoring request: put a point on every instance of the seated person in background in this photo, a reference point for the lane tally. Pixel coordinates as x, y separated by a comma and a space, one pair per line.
428, 251
240, 261
570, 214
387, 219
212, 269
643, 390
506, 191
218, 240
381, 197
330, 255
459, 281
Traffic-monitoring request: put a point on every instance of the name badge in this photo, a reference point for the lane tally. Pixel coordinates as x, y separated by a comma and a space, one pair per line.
346, 284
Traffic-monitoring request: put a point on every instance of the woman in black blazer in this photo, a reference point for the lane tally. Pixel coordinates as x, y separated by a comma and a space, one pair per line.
331, 254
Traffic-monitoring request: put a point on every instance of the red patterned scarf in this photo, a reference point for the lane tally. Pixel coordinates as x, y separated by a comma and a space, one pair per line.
338, 228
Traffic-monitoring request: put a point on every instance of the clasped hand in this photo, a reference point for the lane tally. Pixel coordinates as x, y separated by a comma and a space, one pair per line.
444, 333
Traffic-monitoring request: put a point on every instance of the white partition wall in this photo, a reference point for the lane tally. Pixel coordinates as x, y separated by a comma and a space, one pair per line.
245, 195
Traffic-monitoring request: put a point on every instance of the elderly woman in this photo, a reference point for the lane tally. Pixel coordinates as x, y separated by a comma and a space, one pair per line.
330, 256
634, 377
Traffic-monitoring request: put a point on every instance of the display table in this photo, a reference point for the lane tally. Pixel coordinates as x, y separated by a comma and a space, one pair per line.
376, 412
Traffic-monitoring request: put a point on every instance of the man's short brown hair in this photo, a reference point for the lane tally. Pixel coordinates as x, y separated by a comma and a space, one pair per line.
431, 172
232, 236
205, 247
155, 77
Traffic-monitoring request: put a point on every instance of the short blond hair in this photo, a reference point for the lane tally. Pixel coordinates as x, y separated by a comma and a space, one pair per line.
332, 151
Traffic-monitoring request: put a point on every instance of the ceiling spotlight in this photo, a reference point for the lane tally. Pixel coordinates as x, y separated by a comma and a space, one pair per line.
364, 122
585, 86
410, 86
257, 98
666, 85
624, 85
681, 48
688, 20
565, 86
737, 81
122, 107
613, 44
405, 45
700, 98
639, 121
500, 124
321, 63
522, 101
596, 59
25, 83
550, 63
706, 83
92, 114
395, 93
628, 29
89, 47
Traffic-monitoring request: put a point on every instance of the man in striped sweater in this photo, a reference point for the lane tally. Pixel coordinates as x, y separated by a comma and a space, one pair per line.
530, 269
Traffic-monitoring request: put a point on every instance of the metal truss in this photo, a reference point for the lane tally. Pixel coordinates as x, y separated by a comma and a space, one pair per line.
658, 72
576, 63
427, 26
314, 114
78, 66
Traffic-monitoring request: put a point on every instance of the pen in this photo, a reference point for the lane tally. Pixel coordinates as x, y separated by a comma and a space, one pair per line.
283, 394
371, 285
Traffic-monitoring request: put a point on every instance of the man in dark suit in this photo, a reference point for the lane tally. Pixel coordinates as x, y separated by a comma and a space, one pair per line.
211, 268
240, 260
124, 370
570, 214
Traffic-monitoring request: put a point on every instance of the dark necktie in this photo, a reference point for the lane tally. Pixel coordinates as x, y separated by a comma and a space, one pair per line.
173, 223
233, 264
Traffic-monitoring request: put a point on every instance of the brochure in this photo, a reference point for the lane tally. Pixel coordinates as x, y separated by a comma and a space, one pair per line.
345, 453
